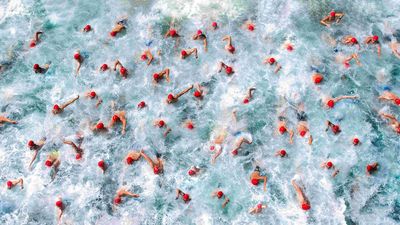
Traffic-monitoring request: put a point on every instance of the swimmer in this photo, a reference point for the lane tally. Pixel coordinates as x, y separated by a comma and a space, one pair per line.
40, 69
36, 148
390, 96
272, 61
302, 199
202, 37
351, 41
78, 150
282, 153
174, 98
374, 40
228, 70
238, 144
249, 25
302, 125
185, 197
93, 95
331, 18
329, 165
393, 122
161, 123
59, 109
249, 95
219, 194
172, 32
103, 68
35, 39
79, 59
282, 127
147, 56
157, 165
330, 102
87, 28
141, 105
394, 46
4, 119
54, 162
193, 171
217, 147
288, 46
160, 75
198, 93
257, 209
214, 25
229, 47
189, 124
335, 128
60, 209
347, 60
119, 26
119, 116
133, 156
356, 141
15, 182
102, 165
371, 168
122, 70
255, 178
317, 78
187, 52
121, 192
99, 127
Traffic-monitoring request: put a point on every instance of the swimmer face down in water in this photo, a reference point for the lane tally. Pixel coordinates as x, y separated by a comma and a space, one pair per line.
331, 18
59, 109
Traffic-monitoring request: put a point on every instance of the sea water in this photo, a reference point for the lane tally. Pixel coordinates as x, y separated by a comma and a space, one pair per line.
350, 198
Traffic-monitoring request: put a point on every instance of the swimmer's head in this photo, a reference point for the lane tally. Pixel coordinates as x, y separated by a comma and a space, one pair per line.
354, 40
245, 101
170, 97
220, 194
143, 57
113, 33
214, 24
375, 38
117, 200
115, 118
59, 204
370, 168
199, 32
141, 104
317, 78
305, 206
161, 123
335, 129
101, 164
255, 181
172, 32
156, 76
332, 14
77, 56
330, 103
190, 126
303, 133
123, 70
87, 28
397, 101
104, 67
92, 94
78, 156
32, 44
231, 49
329, 164
56, 107
259, 206
282, 129
36, 67
197, 94
129, 160
31, 144
271, 60
235, 152
185, 197
250, 27
184, 53
282, 152
356, 141
48, 163
191, 172
228, 70
156, 170
100, 126
9, 184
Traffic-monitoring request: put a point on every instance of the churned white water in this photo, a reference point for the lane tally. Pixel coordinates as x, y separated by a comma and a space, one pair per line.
349, 198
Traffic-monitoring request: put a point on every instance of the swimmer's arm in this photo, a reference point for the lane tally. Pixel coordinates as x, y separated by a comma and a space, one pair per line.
253, 210
33, 159
184, 91
310, 139
147, 158
69, 102
215, 156
167, 131
116, 64
37, 35
323, 21
225, 202
291, 133
335, 173
345, 97
123, 126
79, 66
205, 44
132, 194
277, 67
21, 182
99, 101
378, 49
60, 213
265, 183
148, 53
221, 65
167, 74
340, 15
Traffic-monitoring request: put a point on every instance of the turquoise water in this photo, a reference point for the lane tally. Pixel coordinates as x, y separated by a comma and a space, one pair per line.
350, 198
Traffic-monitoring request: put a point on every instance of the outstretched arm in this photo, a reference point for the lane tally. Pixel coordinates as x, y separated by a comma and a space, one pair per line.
147, 158
69, 102
225, 202
4, 119
345, 97
228, 38
116, 64
205, 44
323, 21
184, 91
33, 159
37, 35
277, 67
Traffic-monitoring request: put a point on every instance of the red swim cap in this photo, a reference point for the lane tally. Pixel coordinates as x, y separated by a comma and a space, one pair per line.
397, 101
356, 141
101, 164
199, 32
185, 197
318, 78
335, 129
190, 126
184, 53
117, 200
56, 107
228, 70
259, 206
369, 168
143, 56
161, 123
129, 160
172, 32
115, 118
330, 103
332, 14
346, 64
305, 206
231, 49
250, 27
353, 40
214, 24
254, 181
32, 44
87, 28
282, 129
48, 163
235, 152
289, 48
329, 164
100, 126
170, 97
59, 204
302, 133
123, 70
113, 33
141, 104
9, 184
156, 170
104, 67
197, 94
220, 194
245, 101
271, 60
77, 56
212, 147
282, 152
375, 38
78, 156
36, 66
92, 94
156, 76
31, 143
191, 172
